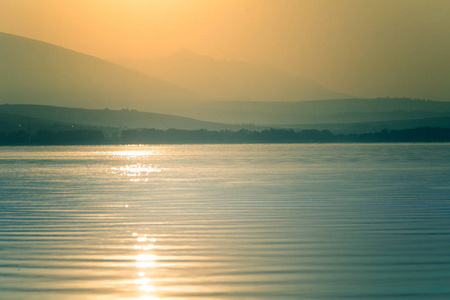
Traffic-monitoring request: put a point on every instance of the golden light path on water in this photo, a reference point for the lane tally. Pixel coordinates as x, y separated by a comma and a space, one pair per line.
145, 260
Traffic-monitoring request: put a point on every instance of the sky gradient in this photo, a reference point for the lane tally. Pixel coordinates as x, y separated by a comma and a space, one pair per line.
362, 48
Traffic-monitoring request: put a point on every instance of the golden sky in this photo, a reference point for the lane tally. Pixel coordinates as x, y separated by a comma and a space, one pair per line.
361, 47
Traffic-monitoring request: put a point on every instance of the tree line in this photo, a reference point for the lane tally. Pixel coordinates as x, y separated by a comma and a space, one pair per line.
179, 136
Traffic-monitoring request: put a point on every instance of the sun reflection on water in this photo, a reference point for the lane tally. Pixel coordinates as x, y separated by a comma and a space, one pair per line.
132, 154
136, 171
135, 163
145, 260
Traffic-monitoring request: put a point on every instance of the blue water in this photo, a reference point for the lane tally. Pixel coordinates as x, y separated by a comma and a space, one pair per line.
303, 221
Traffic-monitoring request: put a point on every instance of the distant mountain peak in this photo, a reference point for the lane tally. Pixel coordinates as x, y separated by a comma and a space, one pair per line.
184, 52
187, 55
231, 80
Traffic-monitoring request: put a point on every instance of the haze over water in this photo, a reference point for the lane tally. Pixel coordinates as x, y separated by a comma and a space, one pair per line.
297, 221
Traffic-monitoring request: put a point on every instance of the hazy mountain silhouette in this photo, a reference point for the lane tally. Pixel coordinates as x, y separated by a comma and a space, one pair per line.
230, 80
365, 127
43, 115
40, 73
319, 111
33, 72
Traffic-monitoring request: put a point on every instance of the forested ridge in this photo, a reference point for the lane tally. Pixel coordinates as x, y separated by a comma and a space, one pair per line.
178, 136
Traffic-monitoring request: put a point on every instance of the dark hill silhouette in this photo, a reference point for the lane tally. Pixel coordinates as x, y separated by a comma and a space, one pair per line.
11, 122
109, 118
319, 111
367, 127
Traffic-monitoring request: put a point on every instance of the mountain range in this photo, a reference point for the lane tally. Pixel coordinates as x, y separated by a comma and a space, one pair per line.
320, 111
184, 90
230, 80
34, 72
31, 117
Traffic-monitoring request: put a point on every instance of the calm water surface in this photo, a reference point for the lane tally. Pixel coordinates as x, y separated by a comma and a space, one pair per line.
311, 221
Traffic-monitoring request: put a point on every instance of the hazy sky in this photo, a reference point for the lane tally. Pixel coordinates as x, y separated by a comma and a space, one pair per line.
360, 47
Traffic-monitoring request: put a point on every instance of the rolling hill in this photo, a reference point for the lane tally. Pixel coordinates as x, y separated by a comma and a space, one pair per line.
12, 122
34, 72
42, 115
365, 127
318, 111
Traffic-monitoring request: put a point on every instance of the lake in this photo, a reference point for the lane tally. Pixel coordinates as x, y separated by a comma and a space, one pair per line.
292, 221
